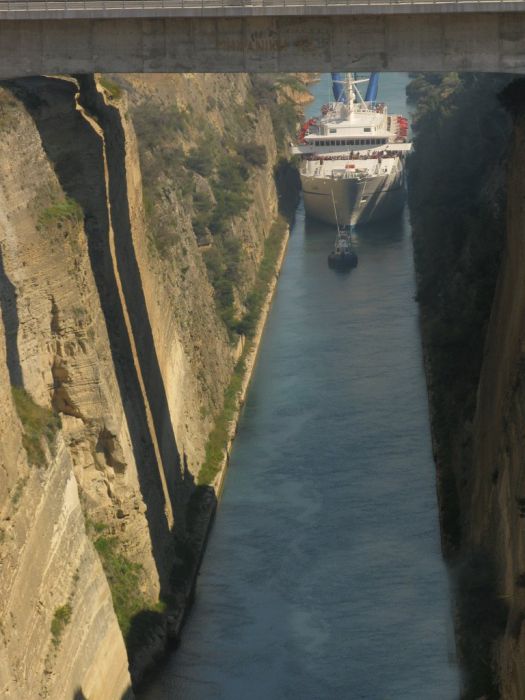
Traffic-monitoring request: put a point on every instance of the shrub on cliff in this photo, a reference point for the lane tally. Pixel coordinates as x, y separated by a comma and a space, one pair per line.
38, 423
200, 161
231, 192
59, 622
254, 153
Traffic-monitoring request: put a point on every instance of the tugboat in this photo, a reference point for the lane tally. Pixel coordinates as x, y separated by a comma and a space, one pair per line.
343, 256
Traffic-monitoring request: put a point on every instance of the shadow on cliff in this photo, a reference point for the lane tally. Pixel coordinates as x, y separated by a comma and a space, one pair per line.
11, 325
482, 614
110, 120
159, 632
75, 150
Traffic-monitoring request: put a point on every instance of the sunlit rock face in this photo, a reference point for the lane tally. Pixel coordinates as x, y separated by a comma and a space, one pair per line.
114, 356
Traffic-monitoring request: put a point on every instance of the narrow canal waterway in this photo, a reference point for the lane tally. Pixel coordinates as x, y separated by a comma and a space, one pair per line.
323, 577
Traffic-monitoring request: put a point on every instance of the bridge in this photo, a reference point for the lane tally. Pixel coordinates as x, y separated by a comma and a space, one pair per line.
84, 36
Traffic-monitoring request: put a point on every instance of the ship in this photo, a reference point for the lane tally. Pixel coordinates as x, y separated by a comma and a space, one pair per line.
354, 151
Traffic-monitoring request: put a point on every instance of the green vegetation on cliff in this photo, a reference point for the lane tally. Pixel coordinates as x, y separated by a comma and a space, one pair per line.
209, 167
135, 614
38, 423
59, 213
218, 437
60, 620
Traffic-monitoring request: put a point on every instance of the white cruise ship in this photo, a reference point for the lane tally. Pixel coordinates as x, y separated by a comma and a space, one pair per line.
354, 151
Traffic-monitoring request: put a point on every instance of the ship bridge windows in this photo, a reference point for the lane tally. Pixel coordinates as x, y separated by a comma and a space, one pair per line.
348, 142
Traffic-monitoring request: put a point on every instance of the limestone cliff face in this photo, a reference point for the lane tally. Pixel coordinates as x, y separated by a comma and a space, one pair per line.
59, 637
57, 348
470, 262
194, 352
497, 507
115, 351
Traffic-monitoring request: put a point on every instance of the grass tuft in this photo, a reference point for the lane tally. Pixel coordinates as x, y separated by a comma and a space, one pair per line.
59, 213
113, 90
37, 422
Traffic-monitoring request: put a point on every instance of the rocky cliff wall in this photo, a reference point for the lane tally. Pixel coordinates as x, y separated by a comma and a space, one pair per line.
470, 257
59, 636
194, 353
495, 525
127, 268
58, 350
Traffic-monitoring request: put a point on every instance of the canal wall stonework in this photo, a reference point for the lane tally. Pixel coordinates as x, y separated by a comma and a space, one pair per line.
119, 353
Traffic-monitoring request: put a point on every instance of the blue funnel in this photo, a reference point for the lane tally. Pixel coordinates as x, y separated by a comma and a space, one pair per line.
339, 87
371, 90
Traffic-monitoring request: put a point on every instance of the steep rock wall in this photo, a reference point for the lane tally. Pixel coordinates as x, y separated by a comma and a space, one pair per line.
48, 564
58, 349
119, 353
497, 508
195, 355
470, 257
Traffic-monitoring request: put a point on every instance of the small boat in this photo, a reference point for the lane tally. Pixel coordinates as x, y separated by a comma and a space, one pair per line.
343, 256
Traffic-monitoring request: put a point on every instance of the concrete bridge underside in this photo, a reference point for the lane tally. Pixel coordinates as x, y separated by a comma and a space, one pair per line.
422, 41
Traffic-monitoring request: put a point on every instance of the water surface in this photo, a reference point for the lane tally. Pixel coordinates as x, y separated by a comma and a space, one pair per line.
323, 577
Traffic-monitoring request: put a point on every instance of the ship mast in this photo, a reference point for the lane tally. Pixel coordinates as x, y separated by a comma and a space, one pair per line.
353, 94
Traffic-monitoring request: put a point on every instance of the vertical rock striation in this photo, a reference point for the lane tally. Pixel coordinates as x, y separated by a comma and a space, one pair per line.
116, 349
59, 634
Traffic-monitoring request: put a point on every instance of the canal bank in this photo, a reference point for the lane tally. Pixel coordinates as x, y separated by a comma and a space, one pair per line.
323, 576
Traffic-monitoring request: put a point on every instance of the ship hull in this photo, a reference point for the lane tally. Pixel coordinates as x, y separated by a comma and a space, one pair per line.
357, 201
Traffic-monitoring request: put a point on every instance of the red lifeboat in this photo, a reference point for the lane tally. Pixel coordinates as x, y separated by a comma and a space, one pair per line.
401, 129
303, 131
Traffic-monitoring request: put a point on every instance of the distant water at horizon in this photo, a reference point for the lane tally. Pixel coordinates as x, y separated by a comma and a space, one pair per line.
323, 578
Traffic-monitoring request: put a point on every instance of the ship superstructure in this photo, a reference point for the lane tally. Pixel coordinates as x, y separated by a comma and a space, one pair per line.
354, 151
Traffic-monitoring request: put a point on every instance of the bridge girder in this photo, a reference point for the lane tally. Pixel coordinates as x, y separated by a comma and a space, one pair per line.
469, 41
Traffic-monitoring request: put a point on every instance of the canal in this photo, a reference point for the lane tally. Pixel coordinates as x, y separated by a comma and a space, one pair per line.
323, 578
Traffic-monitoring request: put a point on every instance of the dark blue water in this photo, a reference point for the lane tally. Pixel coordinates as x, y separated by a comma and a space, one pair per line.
323, 577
